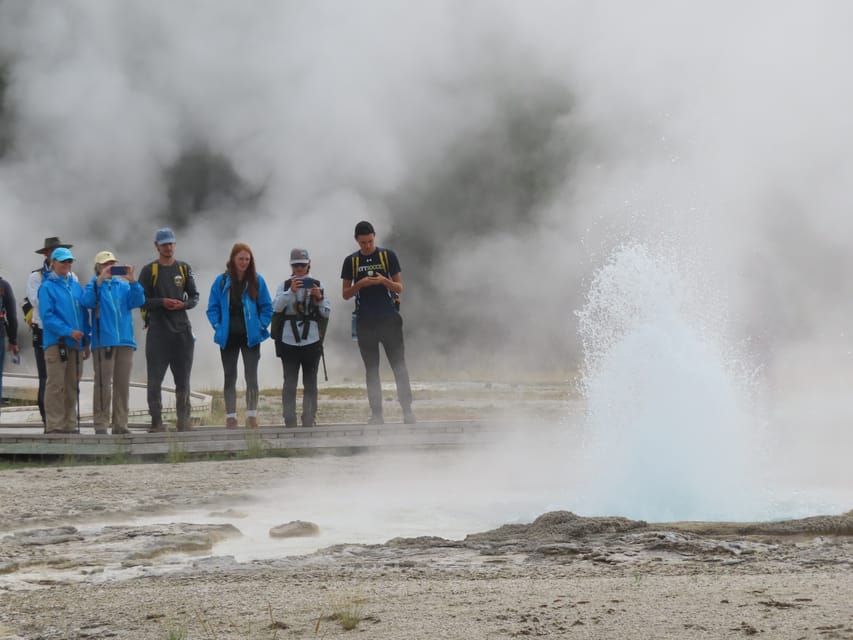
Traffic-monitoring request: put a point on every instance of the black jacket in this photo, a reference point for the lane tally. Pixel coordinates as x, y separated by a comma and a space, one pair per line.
9, 326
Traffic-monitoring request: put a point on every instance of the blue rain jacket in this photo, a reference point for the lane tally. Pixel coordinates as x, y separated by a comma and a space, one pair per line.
256, 313
62, 311
112, 303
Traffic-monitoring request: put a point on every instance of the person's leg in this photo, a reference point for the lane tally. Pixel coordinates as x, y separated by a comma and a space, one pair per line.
102, 391
251, 358
290, 369
229, 356
395, 351
73, 372
368, 346
122, 367
41, 368
182, 365
310, 360
54, 391
158, 347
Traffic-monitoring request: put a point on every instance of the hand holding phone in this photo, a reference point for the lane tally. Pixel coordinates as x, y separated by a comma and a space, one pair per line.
118, 270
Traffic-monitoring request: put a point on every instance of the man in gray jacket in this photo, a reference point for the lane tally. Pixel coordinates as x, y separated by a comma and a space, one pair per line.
170, 291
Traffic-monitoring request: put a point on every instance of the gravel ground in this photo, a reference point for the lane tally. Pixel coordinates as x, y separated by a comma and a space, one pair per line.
562, 576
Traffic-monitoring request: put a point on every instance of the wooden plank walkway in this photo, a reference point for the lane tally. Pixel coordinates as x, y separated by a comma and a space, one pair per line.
22, 441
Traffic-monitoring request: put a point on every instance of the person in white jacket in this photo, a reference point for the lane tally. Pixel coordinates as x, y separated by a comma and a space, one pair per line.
299, 343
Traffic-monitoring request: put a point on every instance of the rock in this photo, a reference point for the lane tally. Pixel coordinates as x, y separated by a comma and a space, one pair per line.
295, 529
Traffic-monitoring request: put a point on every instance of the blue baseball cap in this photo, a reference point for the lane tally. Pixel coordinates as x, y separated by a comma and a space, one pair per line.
62, 254
165, 236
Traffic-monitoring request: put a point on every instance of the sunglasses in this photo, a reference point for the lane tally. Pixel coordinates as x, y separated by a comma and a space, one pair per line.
300, 265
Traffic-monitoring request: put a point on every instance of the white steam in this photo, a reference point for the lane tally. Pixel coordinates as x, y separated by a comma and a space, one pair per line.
503, 147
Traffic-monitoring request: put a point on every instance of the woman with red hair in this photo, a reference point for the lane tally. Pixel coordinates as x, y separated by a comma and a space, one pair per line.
239, 310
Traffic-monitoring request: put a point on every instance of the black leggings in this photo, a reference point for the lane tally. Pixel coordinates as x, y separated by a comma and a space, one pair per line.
236, 345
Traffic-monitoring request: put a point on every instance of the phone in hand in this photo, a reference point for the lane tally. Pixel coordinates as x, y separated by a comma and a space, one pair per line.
118, 270
308, 283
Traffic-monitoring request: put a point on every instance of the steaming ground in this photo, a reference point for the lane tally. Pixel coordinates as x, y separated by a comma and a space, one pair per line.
121, 552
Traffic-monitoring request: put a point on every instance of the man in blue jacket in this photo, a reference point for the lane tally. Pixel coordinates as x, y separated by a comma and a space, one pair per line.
112, 299
65, 323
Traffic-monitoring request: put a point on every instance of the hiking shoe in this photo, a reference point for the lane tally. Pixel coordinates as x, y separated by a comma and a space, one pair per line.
409, 417
157, 427
376, 418
101, 431
231, 423
251, 422
120, 431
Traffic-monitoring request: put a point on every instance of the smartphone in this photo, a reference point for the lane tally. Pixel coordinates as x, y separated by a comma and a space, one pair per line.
308, 283
118, 270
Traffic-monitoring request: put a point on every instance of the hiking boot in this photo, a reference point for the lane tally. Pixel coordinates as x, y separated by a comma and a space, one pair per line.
120, 431
101, 431
376, 418
409, 417
231, 423
157, 426
290, 423
308, 422
251, 422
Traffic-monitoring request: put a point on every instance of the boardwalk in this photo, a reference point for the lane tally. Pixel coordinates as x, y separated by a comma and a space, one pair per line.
20, 440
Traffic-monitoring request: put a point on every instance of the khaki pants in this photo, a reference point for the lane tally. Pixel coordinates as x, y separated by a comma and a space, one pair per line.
61, 388
112, 386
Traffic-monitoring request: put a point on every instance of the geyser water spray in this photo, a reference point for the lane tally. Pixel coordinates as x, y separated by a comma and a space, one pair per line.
669, 433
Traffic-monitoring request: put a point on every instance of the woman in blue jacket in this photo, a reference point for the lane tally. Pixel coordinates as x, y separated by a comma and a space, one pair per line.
112, 298
239, 310
65, 325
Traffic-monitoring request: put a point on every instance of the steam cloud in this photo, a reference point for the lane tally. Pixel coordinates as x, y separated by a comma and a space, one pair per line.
502, 147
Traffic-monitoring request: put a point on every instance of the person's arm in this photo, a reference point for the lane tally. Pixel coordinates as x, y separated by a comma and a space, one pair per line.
190, 290
283, 297
323, 304
136, 294
394, 281
264, 303
90, 294
146, 280
214, 306
50, 320
33, 284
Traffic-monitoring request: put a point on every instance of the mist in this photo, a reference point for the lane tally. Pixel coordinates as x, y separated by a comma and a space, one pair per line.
502, 148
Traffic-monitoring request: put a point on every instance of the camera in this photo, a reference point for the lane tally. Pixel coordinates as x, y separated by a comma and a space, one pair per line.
308, 283
118, 270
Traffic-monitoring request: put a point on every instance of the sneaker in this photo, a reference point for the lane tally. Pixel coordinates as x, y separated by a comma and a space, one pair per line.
251, 422
120, 431
231, 423
409, 417
101, 431
376, 418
